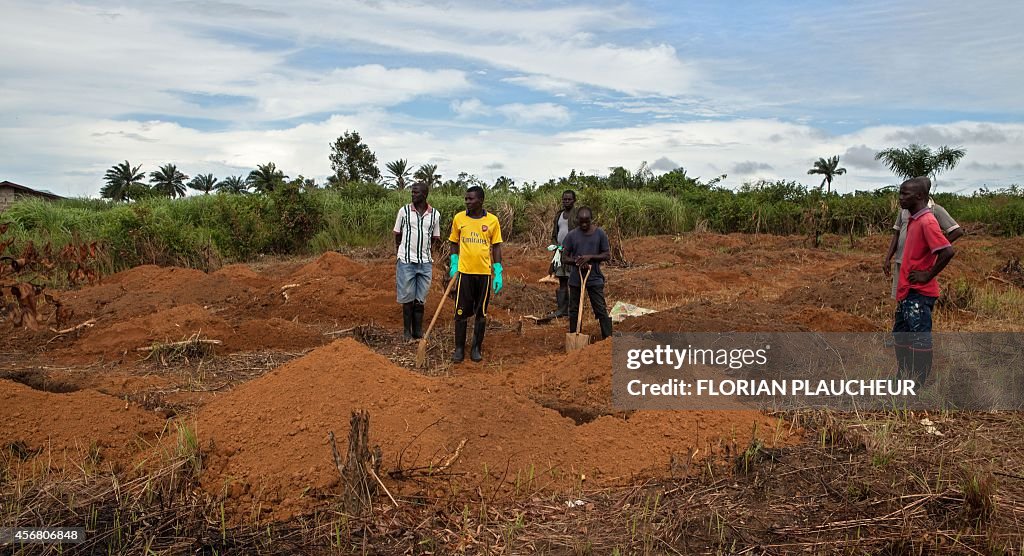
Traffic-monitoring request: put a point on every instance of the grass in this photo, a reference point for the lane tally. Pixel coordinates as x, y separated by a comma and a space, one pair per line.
828, 498
202, 231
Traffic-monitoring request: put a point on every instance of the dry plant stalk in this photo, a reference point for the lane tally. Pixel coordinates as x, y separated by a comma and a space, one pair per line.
361, 465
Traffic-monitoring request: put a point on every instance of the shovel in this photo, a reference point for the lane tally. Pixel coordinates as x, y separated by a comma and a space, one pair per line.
421, 350
575, 341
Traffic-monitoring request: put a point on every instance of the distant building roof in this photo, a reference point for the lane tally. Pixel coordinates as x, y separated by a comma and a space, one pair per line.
29, 190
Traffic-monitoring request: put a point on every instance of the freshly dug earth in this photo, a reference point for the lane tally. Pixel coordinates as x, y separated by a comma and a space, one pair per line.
271, 434
67, 429
528, 410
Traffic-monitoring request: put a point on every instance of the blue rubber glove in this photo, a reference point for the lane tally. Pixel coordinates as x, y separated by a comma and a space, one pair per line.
497, 277
454, 265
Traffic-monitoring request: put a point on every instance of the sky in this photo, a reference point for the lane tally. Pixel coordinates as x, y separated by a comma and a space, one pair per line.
524, 89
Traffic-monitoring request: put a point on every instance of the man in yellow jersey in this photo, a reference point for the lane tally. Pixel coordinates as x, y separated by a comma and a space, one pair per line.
476, 250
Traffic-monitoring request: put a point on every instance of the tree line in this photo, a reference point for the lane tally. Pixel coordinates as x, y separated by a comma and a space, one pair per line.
354, 165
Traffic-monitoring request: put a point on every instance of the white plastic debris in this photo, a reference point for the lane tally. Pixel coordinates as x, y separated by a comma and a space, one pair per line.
621, 310
929, 427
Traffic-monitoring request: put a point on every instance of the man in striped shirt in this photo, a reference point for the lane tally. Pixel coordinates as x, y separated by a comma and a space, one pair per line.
417, 229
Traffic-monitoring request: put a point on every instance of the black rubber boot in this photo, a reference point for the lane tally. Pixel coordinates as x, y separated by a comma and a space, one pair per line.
606, 327
407, 321
562, 295
920, 367
460, 341
479, 327
417, 320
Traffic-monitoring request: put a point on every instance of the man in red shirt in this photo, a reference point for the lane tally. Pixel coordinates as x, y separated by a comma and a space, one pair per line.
925, 254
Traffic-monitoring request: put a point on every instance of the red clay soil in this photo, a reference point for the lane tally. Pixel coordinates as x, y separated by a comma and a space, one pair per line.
271, 434
235, 305
580, 378
120, 340
63, 428
246, 309
273, 333
747, 316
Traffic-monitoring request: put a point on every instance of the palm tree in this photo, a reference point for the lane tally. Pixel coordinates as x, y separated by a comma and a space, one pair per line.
203, 182
428, 175
233, 184
265, 178
828, 167
919, 160
168, 181
399, 170
120, 180
504, 183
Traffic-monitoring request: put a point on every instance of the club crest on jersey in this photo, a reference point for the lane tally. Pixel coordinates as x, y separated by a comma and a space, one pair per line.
483, 227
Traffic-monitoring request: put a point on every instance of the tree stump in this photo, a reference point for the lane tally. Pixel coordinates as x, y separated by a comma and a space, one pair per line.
358, 484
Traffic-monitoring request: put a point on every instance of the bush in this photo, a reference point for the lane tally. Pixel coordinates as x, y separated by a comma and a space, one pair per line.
296, 219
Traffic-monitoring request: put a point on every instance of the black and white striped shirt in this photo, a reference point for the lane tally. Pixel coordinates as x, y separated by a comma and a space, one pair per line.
417, 231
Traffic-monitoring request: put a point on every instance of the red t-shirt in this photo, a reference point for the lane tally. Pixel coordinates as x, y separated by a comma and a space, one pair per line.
924, 239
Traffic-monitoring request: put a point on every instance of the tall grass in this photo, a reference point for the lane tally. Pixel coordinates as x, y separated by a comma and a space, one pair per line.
198, 231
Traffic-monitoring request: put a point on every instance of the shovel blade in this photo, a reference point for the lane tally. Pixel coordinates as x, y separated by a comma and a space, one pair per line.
421, 354
576, 342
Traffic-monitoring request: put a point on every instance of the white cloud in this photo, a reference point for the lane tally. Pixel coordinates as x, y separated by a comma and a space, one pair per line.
469, 108
86, 85
544, 113
556, 43
547, 84
79, 60
291, 95
70, 155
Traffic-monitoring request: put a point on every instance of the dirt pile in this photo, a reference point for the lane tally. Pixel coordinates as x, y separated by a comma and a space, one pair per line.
274, 333
270, 435
120, 341
275, 429
581, 378
145, 289
859, 289
244, 309
73, 427
329, 265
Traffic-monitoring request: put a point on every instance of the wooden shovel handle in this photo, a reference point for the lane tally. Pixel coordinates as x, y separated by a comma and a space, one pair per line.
441, 304
583, 291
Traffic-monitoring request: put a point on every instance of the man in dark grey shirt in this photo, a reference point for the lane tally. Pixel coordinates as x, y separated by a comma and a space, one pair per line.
584, 249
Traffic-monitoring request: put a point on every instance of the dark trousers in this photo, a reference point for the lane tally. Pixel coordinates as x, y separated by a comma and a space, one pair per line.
597, 303
472, 296
912, 336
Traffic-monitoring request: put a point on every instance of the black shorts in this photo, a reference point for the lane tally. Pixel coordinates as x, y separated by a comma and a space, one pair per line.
472, 295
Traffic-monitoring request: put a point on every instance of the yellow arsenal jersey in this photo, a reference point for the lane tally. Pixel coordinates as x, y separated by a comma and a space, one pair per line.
475, 237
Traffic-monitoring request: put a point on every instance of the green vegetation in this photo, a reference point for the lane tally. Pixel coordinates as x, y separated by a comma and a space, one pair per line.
266, 212
920, 160
294, 217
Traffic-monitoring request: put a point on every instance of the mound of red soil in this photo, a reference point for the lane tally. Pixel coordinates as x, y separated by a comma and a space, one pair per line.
65, 427
330, 264
706, 316
859, 289
147, 289
241, 274
120, 340
824, 319
274, 333
271, 434
580, 378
